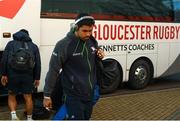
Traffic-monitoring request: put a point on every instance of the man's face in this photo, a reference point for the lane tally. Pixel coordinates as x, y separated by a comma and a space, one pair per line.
84, 32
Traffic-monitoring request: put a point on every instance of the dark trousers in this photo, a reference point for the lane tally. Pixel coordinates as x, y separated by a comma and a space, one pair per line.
78, 109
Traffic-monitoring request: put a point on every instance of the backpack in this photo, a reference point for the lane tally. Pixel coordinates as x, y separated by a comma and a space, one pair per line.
22, 59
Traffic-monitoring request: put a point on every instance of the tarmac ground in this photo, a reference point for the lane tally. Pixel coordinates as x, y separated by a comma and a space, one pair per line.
151, 105
159, 101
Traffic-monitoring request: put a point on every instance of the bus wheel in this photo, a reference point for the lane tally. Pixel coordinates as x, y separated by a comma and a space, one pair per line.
111, 76
139, 75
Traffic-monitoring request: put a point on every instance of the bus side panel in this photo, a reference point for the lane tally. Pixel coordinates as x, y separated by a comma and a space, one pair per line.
53, 30
163, 58
28, 17
174, 60
46, 52
174, 53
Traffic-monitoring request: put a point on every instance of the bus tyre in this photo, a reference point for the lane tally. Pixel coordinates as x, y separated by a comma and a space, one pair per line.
139, 75
111, 76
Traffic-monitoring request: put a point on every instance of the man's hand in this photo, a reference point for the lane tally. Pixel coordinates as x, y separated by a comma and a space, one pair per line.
47, 102
36, 83
100, 53
4, 80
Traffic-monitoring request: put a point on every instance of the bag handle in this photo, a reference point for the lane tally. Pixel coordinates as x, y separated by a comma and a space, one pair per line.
25, 45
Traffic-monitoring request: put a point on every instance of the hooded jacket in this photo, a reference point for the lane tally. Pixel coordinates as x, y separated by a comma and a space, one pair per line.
16, 43
75, 60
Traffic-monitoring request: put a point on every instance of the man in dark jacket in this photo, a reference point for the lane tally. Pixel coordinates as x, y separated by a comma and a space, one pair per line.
75, 57
20, 81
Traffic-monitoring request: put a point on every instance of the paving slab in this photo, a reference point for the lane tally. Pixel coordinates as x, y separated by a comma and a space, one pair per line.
153, 105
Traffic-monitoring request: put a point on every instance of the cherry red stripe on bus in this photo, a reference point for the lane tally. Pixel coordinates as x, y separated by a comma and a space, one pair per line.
110, 17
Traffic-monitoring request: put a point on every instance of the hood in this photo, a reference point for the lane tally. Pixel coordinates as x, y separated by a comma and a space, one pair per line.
21, 36
71, 35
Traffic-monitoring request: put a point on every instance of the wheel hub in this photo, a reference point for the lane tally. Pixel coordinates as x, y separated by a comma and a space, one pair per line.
141, 74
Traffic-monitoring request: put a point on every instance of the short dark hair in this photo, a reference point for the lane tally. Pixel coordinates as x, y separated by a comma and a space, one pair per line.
25, 31
84, 19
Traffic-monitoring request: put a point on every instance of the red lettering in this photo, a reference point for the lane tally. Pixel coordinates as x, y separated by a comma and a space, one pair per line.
167, 32
137, 31
106, 32
132, 32
120, 36
113, 32
95, 32
161, 32
99, 32
148, 31
177, 31
142, 32
126, 32
172, 33
155, 35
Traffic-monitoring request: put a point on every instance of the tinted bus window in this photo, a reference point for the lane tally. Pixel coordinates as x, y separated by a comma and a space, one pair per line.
176, 4
132, 10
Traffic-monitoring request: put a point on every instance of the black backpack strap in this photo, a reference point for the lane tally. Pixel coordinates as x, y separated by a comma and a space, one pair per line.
15, 48
24, 45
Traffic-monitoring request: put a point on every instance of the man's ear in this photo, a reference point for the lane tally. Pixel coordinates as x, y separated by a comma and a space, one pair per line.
76, 27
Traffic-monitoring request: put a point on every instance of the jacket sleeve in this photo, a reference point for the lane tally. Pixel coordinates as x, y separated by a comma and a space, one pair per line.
4, 60
55, 65
37, 68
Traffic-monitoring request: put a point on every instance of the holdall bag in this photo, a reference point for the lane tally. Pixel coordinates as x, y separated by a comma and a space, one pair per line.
39, 111
61, 113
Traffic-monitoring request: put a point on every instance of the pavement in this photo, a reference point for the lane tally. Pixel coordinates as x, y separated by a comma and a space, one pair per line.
154, 105
151, 105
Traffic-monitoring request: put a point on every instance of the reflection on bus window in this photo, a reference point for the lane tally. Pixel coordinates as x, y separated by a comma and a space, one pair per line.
176, 4
129, 10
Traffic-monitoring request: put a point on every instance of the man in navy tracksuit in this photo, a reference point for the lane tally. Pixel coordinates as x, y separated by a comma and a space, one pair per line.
20, 81
75, 57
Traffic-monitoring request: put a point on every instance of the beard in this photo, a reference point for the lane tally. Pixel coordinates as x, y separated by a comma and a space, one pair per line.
85, 38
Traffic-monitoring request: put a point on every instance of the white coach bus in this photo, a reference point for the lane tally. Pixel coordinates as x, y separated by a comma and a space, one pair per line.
141, 36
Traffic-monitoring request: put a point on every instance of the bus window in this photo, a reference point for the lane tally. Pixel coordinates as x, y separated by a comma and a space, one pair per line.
129, 10
176, 4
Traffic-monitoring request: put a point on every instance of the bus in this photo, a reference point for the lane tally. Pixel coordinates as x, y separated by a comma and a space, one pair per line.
141, 36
